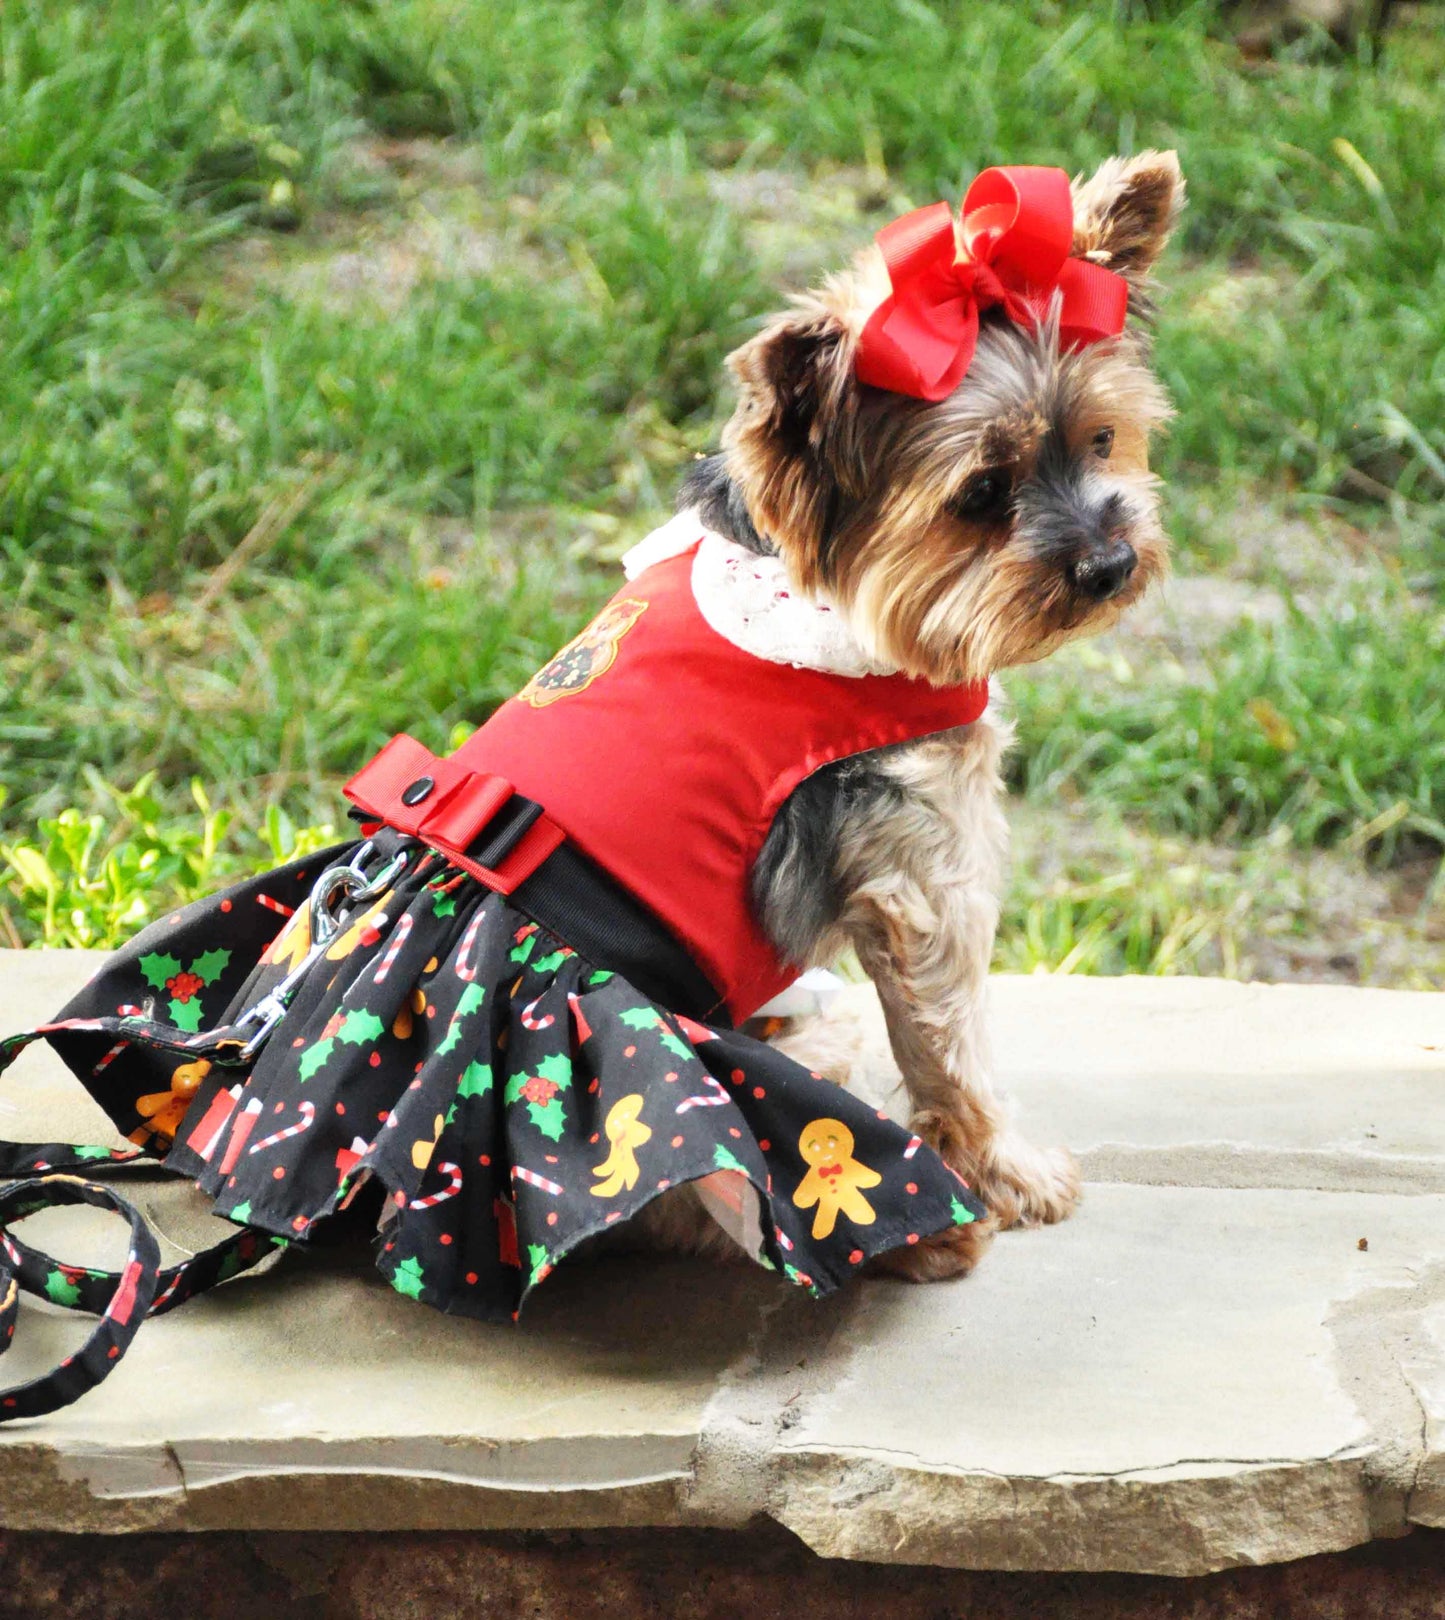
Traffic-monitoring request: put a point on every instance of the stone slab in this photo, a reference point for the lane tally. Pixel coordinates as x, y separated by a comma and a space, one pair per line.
1157, 1385
317, 1395
1202, 1369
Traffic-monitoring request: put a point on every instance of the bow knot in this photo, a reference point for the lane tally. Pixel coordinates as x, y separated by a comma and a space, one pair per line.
1012, 252
982, 281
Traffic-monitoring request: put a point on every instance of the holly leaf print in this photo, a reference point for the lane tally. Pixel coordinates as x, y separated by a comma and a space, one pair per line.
520, 953
210, 966
359, 1027
444, 905
556, 1067
84, 1150
725, 1160
241, 1214
548, 1118
157, 969
315, 1058
186, 1015
551, 962
476, 1081
601, 976
471, 998
409, 1278
640, 1017
60, 1288
675, 1044
960, 1212
537, 1259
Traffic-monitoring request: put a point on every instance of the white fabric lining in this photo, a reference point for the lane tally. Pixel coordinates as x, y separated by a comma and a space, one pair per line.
751, 602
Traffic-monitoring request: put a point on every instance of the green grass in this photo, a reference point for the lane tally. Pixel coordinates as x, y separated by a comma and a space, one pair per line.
1325, 728
251, 523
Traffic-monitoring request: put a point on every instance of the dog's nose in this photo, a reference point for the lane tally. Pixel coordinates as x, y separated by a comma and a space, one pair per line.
1104, 570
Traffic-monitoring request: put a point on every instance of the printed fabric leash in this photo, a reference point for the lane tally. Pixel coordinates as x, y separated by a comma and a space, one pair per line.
58, 1174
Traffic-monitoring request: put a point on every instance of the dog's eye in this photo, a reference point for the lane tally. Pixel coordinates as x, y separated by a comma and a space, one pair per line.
986, 494
1103, 443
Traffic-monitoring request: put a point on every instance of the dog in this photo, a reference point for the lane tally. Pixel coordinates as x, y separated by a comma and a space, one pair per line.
955, 537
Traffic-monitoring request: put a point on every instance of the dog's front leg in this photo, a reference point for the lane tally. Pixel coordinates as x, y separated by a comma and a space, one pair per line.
922, 917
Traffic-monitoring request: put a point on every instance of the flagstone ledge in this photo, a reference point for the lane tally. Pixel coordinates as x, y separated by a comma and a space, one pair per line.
1233, 1354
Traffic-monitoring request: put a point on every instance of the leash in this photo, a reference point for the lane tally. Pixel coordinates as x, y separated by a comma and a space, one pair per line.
53, 1175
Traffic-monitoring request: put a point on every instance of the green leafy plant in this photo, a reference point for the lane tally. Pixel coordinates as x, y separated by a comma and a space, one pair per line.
91, 883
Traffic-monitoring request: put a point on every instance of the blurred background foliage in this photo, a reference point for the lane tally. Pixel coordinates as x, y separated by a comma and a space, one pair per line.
347, 346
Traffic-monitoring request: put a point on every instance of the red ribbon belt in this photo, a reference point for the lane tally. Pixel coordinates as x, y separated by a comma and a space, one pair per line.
1018, 227
448, 806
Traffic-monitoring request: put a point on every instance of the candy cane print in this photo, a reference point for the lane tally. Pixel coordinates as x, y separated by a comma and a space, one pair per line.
245, 1123
695, 1032
532, 1179
206, 1137
453, 1173
109, 1058
398, 939
466, 970
167, 1291
120, 1308
544, 1022
713, 1097
584, 1029
914, 1143
308, 1113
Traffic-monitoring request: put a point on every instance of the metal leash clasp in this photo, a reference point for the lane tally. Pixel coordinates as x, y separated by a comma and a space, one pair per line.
338, 892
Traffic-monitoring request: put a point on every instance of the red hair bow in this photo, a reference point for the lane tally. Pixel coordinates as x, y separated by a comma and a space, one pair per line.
1018, 227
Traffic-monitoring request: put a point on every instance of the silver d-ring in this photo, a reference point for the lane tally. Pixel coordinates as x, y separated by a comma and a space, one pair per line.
384, 878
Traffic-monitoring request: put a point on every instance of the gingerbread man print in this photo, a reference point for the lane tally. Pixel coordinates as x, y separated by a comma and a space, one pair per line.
627, 1133
835, 1179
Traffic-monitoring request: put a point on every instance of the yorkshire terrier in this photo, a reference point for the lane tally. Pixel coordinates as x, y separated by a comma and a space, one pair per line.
955, 537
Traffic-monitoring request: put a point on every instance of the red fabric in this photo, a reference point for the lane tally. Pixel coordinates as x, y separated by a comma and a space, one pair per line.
457, 804
672, 751
1018, 226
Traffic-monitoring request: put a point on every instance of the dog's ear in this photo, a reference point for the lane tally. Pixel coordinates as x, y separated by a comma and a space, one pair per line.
793, 444
1124, 213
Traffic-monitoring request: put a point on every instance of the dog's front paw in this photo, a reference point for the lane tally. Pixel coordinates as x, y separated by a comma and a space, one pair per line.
954, 1252
1018, 1183
1024, 1185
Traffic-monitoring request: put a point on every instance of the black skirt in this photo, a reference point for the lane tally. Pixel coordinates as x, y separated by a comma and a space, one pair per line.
495, 1095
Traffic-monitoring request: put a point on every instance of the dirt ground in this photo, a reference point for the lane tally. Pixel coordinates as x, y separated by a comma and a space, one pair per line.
764, 1574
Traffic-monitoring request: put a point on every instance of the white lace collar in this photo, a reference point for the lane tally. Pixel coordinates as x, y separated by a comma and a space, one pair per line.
751, 602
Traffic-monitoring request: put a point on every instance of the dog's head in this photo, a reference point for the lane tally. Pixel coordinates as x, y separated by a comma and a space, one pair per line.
986, 528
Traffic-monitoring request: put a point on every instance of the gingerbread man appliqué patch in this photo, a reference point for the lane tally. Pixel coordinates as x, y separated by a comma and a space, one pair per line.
585, 657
